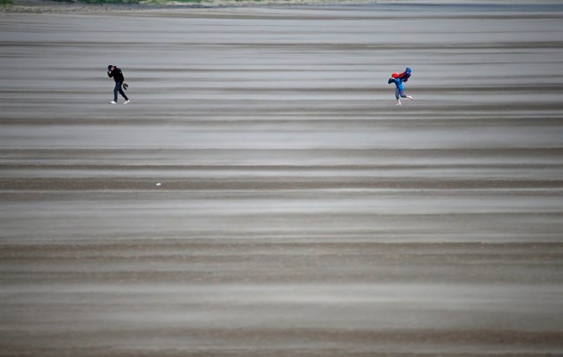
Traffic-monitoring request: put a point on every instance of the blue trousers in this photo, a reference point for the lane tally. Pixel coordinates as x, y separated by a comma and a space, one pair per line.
119, 89
398, 92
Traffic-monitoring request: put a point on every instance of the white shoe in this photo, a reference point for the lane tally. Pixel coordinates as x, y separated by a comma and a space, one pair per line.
127, 101
113, 102
398, 103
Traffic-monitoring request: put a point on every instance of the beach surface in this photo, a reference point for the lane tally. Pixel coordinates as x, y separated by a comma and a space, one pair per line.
262, 194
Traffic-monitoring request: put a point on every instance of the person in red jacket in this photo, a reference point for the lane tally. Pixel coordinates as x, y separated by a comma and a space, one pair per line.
119, 79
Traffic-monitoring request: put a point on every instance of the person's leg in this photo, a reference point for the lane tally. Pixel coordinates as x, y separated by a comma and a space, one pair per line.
122, 92
116, 89
397, 93
406, 96
403, 95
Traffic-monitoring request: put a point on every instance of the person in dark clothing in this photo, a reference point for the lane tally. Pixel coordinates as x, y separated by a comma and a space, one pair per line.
117, 75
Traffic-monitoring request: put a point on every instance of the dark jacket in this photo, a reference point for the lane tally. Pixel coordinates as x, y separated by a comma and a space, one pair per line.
117, 75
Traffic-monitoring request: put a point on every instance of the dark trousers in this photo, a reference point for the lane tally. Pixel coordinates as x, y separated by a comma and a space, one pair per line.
119, 89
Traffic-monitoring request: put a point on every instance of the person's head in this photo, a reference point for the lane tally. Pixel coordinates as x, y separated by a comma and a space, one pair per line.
111, 67
394, 75
408, 70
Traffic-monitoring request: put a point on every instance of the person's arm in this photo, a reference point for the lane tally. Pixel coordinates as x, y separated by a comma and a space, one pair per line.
110, 74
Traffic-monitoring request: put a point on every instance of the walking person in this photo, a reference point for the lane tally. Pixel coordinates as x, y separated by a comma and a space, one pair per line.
119, 79
398, 80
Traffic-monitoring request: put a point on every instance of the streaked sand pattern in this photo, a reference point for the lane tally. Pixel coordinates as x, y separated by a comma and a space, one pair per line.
299, 212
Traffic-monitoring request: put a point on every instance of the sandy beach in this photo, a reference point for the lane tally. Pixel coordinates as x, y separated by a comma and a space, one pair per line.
262, 194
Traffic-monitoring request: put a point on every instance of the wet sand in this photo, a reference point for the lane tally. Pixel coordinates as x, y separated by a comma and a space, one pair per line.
299, 212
